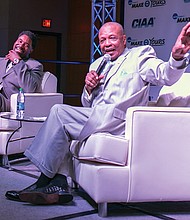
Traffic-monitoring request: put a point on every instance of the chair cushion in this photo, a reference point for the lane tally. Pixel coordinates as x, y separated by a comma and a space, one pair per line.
102, 148
49, 83
171, 101
176, 95
180, 88
7, 125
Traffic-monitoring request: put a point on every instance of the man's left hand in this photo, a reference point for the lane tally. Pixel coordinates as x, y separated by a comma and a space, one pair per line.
182, 45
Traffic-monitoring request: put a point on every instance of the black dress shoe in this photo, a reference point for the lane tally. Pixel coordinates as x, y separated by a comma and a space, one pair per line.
50, 194
14, 195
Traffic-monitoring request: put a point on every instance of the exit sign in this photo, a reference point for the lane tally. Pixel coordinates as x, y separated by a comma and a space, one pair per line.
46, 23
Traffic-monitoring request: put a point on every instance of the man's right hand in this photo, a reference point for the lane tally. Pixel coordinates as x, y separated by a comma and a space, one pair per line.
92, 80
12, 55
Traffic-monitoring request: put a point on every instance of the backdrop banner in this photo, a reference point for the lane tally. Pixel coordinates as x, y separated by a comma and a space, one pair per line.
156, 23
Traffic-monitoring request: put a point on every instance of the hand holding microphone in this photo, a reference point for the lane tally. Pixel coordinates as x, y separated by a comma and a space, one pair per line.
106, 58
92, 80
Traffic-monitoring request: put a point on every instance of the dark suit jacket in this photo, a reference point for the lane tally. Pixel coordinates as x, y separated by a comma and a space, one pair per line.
27, 74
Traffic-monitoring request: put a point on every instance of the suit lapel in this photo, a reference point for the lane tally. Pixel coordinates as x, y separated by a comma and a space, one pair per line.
116, 66
3, 69
10, 70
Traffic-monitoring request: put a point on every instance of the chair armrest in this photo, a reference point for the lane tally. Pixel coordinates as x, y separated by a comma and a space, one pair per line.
152, 103
152, 113
159, 152
37, 104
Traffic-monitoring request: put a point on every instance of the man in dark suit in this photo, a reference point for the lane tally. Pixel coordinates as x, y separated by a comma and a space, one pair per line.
18, 70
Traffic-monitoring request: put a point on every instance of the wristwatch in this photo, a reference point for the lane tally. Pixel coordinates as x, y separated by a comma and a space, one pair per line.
16, 60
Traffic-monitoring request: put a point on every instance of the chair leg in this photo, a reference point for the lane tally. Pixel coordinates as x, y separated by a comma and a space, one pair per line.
5, 160
73, 184
102, 209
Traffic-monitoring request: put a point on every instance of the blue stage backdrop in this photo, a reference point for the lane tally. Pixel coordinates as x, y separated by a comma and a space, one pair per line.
156, 23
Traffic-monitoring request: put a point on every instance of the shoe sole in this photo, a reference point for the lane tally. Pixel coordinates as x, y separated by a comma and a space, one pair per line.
39, 198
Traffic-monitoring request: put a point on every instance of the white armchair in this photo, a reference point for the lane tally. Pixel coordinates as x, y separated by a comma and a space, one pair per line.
36, 104
151, 163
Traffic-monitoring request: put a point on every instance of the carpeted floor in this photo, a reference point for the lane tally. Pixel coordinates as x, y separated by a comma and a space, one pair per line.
82, 207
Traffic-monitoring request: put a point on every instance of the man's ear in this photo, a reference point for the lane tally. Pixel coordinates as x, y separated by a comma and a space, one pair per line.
124, 40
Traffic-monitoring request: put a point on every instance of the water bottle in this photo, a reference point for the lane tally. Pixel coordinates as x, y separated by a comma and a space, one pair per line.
20, 103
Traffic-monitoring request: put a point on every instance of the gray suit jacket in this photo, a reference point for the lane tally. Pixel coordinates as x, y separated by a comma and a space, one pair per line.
127, 84
27, 74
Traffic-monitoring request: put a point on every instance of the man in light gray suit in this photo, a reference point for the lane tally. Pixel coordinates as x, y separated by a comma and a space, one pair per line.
124, 82
18, 70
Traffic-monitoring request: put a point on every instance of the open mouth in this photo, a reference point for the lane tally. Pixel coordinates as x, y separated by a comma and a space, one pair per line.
18, 50
110, 51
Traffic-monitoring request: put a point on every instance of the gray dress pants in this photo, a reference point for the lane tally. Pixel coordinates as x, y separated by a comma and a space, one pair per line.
49, 150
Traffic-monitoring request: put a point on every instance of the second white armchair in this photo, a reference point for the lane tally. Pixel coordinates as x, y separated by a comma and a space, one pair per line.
36, 105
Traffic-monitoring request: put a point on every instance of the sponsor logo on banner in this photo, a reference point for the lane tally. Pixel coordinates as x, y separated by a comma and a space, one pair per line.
180, 18
143, 22
146, 3
150, 41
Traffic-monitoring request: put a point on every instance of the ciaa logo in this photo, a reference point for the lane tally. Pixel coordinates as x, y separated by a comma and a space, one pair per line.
143, 22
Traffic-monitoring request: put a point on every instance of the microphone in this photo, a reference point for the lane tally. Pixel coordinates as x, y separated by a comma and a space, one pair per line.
102, 64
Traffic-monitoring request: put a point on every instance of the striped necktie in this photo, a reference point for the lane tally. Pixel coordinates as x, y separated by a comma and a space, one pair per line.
9, 66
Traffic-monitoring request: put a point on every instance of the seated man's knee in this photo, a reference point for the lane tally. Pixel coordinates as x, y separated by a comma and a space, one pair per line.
55, 108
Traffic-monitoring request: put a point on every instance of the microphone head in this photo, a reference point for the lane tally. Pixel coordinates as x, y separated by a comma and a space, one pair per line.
103, 62
107, 57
